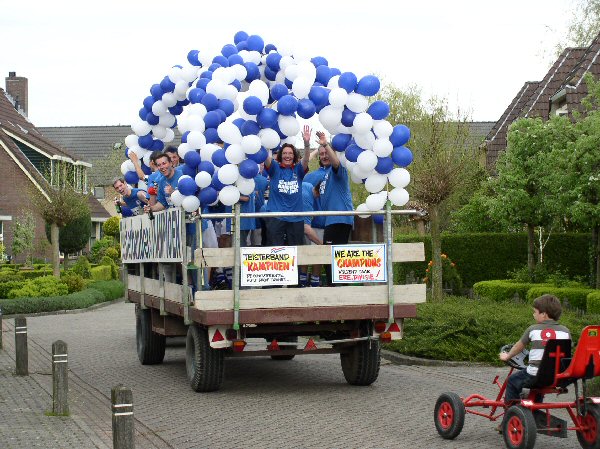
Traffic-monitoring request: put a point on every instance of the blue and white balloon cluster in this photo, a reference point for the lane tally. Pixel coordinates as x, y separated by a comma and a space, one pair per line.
252, 97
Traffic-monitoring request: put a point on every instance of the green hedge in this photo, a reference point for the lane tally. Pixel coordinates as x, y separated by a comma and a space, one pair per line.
593, 302
503, 290
97, 292
487, 256
101, 273
7, 286
576, 296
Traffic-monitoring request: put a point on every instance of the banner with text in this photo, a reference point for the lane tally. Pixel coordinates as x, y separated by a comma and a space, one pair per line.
358, 263
158, 240
262, 266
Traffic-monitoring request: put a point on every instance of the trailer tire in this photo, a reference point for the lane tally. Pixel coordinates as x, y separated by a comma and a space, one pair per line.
361, 363
289, 356
150, 345
204, 365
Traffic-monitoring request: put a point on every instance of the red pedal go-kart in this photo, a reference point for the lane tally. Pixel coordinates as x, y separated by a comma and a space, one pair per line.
522, 420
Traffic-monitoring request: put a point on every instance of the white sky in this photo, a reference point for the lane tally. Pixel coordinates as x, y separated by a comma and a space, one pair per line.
92, 63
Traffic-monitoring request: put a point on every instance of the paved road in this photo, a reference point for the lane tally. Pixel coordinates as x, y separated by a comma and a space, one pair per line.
303, 403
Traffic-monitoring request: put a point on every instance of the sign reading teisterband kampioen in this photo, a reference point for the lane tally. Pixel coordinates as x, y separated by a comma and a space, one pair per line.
263, 266
158, 240
358, 263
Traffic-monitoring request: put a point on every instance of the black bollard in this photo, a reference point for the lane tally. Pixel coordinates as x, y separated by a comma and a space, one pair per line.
60, 379
21, 356
122, 418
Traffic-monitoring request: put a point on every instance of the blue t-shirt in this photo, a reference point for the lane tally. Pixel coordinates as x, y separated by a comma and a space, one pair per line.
335, 195
133, 202
261, 184
316, 176
248, 224
285, 194
308, 201
163, 197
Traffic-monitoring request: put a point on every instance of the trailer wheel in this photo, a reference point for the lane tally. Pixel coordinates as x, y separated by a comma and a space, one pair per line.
150, 345
449, 415
293, 339
519, 428
204, 364
590, 437
361, 363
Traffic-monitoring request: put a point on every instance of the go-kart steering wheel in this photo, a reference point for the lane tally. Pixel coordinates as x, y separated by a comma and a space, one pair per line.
518, 361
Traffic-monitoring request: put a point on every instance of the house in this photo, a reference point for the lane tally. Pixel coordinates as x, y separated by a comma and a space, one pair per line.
30, 161
559, 93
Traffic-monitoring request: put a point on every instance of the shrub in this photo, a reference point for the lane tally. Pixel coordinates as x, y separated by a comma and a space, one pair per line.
111, 227
101, 273
82, 267
74, 282
575, 296
113, 253
7, 276
99, 248
450, 275
43, 286
114, 269
111, 289
7, 286
503, 290
33, 274
593, 302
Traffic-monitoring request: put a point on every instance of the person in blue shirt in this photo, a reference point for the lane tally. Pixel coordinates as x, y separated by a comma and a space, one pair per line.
335, 196
167, 184
285, 193
261, 184
247, 225
133, 198
311, 236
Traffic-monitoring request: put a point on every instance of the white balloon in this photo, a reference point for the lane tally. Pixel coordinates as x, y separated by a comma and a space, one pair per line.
141, 127
207, 151
127, 166
190, 73
195, 123
139, 151
169, 136
159, 132
183, 149
203, 179
338, 97
359, 173
333, 82
367, 160
357, 103
167, 120
177, 198
330, 116
196, 140
245, 186
190, 203
234, 154
228, 174
307, 69
216, 87
181, 88
259, 89
169, 99
291, 140
229, 93
269, 138
131, 140
285, 61
375, 182
288, 125
365, 141
363, 123
175, 74
251, 144
356, 179
240, 72
254, 56
229, 195
146, 158
363, 208
197, 109
229, 133
159, 108
301, 87
399, 177
376, 201
291, 72
398, 196
383, 147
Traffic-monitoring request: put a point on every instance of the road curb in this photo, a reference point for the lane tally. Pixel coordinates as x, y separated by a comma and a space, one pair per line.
64, 312
401, 359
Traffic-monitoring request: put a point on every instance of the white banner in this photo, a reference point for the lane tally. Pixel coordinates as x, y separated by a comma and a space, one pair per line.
158, 240
262, 266
358, 263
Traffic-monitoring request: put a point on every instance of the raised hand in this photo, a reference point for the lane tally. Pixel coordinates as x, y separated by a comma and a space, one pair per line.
306, 132
322, 137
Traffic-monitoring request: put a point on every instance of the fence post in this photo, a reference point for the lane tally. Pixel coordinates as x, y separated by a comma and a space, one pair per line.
60, 379
122, 418
1, 331
21, 356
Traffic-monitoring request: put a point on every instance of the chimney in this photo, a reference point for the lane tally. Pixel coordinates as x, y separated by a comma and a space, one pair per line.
16, 87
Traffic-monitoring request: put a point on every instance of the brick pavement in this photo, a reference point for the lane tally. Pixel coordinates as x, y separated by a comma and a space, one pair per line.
303, 403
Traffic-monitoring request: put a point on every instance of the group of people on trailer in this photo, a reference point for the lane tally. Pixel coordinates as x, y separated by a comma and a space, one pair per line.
283, 184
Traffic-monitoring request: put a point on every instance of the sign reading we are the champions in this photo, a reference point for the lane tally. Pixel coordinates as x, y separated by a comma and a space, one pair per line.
158, 240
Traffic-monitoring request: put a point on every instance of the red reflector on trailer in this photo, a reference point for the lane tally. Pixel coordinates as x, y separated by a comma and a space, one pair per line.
394, 327
239, 345
380, 326
274, 346
385, 337
310, 346
218, 336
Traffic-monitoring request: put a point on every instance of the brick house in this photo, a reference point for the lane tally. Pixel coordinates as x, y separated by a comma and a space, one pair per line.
559, 93
30, 161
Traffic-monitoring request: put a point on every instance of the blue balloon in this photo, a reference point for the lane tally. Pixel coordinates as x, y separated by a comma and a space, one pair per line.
184, 137
319, 96
192, 159
206, 166
216, 184
400, 135
278, 90
126, 212
148, 102
152, 119
287, 105
267, 118
208, 196
214, 66
218, 157
156, 92
260, 156
196, 95
340, 141
368, 86
229, 50
347, 81
167, 85
143, 113
237, 84
384, 165
239, 37
253, 73
255, 43
192, 58
186, 170
226, 106
157, 145
243, 45
378, 219
269, 48
379, 110
131, 177
273, 60
348, 117
288, 83
203, 83
335, 71
210, 102
187, 186
221, 114
147, 170
221, 60
252, 105
270, 74
250, 127
306, 108
235, 59
319, 61
402, 156
212, 119
352, 152
206, 74
145, 141
323, 74
239, 122
211, 135
176, 110
248, 169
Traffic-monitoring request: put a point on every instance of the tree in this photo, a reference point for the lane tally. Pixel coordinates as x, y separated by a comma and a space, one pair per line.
112, 228
108, 167
444, 164
583, 26
74, 236
23, 235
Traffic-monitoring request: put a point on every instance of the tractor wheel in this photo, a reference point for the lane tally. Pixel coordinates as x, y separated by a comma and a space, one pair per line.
449, 415
204, 365
518, 428
590, 437
150, 345
361, 363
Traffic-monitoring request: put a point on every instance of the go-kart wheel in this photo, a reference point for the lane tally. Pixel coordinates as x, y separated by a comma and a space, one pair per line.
518, 428
449, 415
590, 437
